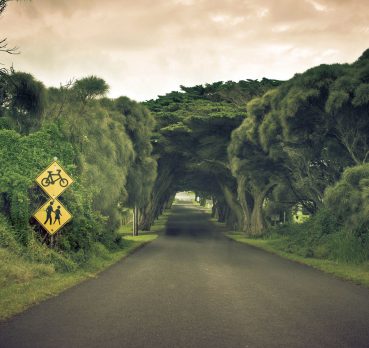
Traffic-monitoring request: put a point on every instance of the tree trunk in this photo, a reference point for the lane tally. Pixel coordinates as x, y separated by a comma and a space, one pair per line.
241, 193
159, 196
202, 201
146, 217
214, 207
170, 201
258, 223
234, 217
135, 221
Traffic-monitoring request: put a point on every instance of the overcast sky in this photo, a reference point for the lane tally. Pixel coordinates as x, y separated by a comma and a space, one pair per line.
145, 48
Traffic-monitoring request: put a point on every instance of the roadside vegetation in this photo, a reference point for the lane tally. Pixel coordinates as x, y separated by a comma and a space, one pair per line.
25, 281
105, 145
335, 239
356, 273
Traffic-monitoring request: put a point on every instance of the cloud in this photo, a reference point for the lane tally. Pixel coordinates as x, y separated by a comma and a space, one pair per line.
318, 6
144, 48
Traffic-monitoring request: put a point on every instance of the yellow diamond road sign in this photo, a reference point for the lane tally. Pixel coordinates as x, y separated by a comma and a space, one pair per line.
52, 216
54, 180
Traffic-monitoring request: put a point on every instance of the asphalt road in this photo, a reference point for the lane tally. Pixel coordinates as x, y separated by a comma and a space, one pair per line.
194, 288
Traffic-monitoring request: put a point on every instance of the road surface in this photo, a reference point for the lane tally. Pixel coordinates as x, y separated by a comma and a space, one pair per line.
192, 287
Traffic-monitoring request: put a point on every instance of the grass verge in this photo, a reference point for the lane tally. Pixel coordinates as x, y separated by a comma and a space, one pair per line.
27, 283
359, 274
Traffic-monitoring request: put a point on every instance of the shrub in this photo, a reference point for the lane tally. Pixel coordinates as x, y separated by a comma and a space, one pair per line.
346, 247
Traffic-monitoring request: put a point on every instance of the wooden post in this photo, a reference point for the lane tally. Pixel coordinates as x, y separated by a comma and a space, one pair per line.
135, 221
136, 214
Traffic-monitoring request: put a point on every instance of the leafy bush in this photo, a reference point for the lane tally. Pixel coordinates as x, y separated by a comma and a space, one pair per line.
347, 247
340, 230
348, 199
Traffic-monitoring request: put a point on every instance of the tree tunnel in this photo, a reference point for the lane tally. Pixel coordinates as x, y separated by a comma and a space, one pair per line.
259, 149
191, 142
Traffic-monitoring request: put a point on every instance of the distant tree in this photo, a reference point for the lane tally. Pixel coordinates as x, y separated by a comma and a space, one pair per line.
23, 100
27, 94
104, 148
257, 175
90, 87
139, 124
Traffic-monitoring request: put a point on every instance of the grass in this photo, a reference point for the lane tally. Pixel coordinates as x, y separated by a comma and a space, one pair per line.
206, 209
359, 274
24, 283
158, 226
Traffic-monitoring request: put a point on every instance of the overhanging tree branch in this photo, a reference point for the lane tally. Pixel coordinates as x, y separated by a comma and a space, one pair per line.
2, 5
4, 47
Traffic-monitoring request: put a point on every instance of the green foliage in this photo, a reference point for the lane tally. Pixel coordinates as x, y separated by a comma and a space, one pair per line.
348, 198
345, 246
311, 237
22, 101
340, 230
139, 124
103, 144
361, 95
303, 133
42, 254
28, 95
326, 236
105, 154
194, 130
336, 101
112, 139
14, 269
22, 158
7, 236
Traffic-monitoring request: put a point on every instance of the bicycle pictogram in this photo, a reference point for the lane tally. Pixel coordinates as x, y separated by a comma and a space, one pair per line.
52, 178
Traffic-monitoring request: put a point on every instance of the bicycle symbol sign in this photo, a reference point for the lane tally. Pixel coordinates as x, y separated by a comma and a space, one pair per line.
54, 180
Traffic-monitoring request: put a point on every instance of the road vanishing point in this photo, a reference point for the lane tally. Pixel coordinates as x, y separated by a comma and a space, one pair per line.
193, 287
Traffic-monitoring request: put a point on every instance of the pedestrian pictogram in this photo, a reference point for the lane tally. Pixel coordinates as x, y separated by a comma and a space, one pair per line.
52, 216
54, 180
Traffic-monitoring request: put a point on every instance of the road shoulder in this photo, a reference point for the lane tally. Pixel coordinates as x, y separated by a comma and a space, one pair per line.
358, 274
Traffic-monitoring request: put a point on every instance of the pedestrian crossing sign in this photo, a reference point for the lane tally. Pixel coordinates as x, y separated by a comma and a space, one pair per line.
52, 216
